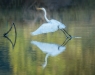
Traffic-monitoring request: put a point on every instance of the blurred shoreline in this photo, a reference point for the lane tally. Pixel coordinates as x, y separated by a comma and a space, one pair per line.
48, 4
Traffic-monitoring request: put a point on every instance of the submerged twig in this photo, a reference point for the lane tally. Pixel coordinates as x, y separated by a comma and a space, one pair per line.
15, 35
8, 31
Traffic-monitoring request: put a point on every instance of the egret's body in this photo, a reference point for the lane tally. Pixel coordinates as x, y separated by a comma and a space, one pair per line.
49, 49
51, 26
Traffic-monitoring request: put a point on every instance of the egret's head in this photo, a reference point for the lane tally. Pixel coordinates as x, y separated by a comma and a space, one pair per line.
40, 8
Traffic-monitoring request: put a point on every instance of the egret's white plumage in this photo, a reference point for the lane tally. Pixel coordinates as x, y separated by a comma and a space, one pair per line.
51, 25
48, 27
49, 49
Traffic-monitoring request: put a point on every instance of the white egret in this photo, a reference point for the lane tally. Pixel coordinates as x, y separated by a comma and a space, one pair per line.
49, 49
51, 26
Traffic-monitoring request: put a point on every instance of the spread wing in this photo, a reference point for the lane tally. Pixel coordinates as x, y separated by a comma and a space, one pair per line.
45, 28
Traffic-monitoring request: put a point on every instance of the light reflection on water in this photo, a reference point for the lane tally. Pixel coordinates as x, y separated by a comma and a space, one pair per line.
50, 49
26, 59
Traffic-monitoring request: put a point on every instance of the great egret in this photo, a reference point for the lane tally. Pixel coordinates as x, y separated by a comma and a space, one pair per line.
51, 26
49, 49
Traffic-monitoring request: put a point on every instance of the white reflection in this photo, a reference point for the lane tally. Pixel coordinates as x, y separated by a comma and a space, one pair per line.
49, 49
76, 37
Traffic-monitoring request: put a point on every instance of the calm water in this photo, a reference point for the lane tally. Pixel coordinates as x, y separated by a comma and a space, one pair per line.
44, 54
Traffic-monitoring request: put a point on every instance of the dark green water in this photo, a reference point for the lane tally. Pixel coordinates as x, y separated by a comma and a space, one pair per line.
25, 58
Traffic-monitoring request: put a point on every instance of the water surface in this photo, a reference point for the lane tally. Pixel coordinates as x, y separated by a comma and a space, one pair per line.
27, 59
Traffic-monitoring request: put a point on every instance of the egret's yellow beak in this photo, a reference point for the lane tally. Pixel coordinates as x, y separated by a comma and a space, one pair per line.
39, 8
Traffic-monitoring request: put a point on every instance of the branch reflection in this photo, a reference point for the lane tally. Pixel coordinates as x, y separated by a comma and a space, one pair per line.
5, 35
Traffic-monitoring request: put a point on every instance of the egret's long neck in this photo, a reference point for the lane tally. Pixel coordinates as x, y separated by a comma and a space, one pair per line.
45, 15
45, 63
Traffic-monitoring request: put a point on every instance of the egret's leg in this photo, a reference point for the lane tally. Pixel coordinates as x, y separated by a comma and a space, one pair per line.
67, 35
65, 42
64, 32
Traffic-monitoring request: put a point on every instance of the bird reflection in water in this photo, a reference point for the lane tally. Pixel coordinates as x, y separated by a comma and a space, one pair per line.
50, 49
5, 35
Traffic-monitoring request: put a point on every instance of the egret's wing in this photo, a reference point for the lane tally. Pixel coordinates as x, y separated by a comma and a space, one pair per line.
45, 28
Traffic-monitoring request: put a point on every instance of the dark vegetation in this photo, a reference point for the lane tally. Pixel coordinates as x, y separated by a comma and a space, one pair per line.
50, 4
